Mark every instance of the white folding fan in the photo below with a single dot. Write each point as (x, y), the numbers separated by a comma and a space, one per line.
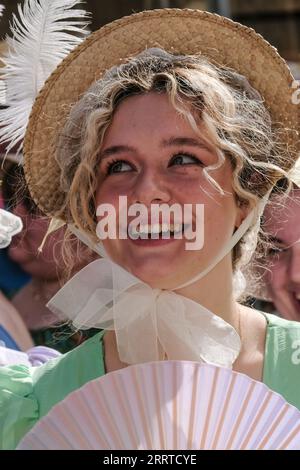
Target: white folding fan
(169, 405)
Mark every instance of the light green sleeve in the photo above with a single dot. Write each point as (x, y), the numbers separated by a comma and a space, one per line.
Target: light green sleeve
(28, 393)
(282, 358)
(19, 409)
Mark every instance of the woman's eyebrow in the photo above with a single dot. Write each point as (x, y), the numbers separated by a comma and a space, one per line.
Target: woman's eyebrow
(281, 242)
(115, 150)
(185, 141)
(273, 239)
(171, 141)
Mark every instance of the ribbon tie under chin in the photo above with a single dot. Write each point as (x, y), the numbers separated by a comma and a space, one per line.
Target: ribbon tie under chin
(148, 323)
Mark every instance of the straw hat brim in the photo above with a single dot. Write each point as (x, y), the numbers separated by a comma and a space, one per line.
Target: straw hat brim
(178, 31)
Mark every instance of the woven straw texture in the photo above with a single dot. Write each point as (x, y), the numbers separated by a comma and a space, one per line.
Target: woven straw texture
(179, 31)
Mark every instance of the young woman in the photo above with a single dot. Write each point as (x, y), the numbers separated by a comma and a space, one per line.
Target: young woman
(206, 118)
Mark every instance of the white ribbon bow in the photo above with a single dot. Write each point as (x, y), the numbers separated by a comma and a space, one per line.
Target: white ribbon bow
(10, 225)
(148, 322)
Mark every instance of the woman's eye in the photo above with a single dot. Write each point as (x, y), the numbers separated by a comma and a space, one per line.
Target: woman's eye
(276, 250)
(118, 166)
(184, 159)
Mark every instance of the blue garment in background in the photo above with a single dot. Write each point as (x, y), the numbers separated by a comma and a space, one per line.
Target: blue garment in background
(12, 277)
(7, 341)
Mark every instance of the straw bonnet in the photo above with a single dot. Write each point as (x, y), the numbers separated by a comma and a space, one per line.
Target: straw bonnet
(178, 31)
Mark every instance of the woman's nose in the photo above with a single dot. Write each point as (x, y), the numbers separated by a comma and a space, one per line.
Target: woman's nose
(151, 188)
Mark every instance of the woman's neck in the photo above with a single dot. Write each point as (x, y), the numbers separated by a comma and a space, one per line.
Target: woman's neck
(215, 292)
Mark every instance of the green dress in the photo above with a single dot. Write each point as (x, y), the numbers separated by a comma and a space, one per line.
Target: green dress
(27, 394)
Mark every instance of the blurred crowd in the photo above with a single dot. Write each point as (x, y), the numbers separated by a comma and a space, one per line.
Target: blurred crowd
(29, 277)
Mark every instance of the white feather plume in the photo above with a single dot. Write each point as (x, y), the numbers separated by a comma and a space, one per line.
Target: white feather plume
(2, 87)
(43, 33)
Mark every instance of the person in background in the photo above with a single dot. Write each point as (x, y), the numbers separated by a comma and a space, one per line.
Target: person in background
(46, 269)
(281, 224)
(14, 335)
(12, 277)
(13, 332)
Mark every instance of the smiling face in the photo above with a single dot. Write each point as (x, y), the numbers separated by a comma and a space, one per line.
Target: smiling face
(283, 277)
(151, 155)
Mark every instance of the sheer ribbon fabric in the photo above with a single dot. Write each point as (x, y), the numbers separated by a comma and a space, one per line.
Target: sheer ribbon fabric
(150, 324)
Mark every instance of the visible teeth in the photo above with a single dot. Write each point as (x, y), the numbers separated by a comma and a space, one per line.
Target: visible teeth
(133, 232)
(147, 228)
(155, 228)
(144, 229)
(166, 228)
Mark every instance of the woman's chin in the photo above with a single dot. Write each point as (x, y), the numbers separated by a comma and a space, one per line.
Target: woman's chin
(154, 275)
(160, 278)
(159, 270)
